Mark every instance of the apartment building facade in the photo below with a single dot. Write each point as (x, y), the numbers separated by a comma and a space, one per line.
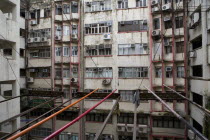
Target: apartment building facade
(199, 26)
(123, 45)
(12, 62)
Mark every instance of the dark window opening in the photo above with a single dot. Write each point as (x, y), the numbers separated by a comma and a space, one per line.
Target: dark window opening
(7, 52)
(22, 72)
(179, 22)
(167, 1)
(180, 47)
(74, 7)
(197, 71)
(22, 32)
(197, 126)
(137, 25)
(156, 23)
(46, 12)
(33, 14)
(197, 98)
(168, 24)
(197, 43)
(22, 52)
(22, 13)
(8, 93)
(67, 116)
(58, 10)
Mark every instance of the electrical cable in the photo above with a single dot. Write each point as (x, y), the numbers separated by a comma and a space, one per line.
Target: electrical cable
(78, 118)
(34, 120)
(48, 118)
(13, 98)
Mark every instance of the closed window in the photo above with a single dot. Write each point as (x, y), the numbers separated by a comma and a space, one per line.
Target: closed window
(58, 73)
(98, 28)
(74, 50)
(66, 9)
(97, 117)
(66, 30)
(156, 23)
(42, 72)
(133, 72)
(168, 122)
(127, 95)
(65, 51)
(98, 6)
(168, 49)
(67, 115)
(98, 72)
(180, 71)
(141, 3)
(136, 25)
(179, 22)
(102, 49)
(57, 51)
(180, 47)
(41, 53)
(66, 73)
(58, 10)
(74, 7)
(122, 4)
(41, 132)
(47, 12)
(158, 72)
(132, 49)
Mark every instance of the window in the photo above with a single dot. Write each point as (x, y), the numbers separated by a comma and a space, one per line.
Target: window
(47, 12)
(122, 4)
(178, 1)
(197, 43)
(7, 52)
(41, 53)
(167, 1)
(58, 10)
(57, 51)
(127, 118)
(99, 91)
(66, 9)
(22, 32)
(22, 72)
(133, 72)
(66, 73)
(66, 136)
(179, 22)
(98, 28)
(22, 52)
(74, 50)
(132, 49)
(180, 71)
(168, 122)
(168, 49)
(197, 71)
(33, 14)
(102, 49)
(67, 115)
(74, 72)
(136, 25)
(158, 72)
(74, 29)
(97, 117)
(197, 98)
(65, 51)
(98, 72)
(168, 72)
(66, 93)
(141, 3)
(197, 126)
(157, 50)
(98, 6)
(58, 31)
(42, 72)
(58, 73)
(156, 23)
(66, 30)
(126, 95)
(180, 47)
(74, 7)
(168, 24)
(41, 132)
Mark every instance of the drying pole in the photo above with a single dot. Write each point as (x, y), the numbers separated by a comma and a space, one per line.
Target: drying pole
(106, 120)
(48, 118)
(136, 102)
(77, 119)
(207, 112)
(201, 136)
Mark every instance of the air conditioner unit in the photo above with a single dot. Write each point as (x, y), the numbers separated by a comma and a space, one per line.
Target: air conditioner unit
(74, 69)
(191, 135)
(74, 80)
(142, 128)
(168, 68)
(74, 3)
(88, 4)
(57, 37)
(107, 36)
(192, 54)
(154, 2)
(129, 128)
(44, 39)
(155, 9)
(155, 32)
(30, 79)
(45, 70)
(30, 40)
(33, 22)
(166, 7)
(58, 28)
(167, 18)
(37, 39)
(32, 70)
(106, 81)
(121, 127)
(74, 36)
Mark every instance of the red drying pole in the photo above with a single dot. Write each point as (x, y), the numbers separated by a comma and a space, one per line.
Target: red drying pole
(78, 118)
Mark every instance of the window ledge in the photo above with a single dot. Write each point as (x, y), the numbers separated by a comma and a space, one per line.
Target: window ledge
(135, 78)
(42, 77)
(197, 48)
(134, 55)
(99, 78)
(131, 8)
(99, 11)
(97, 34)
(132, 32)
(100, 56)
